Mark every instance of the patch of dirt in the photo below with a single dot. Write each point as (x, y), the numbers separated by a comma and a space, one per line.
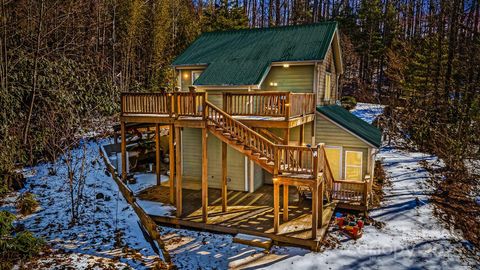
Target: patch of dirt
(455, 203)
(380, 181)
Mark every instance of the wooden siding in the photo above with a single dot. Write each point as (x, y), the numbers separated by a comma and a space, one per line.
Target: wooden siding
(186, 78)
(332, 135)
(192, 161)
(294, 78)
(327, 65)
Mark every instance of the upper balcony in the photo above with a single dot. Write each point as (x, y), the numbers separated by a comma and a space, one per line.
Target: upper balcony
(257, 109)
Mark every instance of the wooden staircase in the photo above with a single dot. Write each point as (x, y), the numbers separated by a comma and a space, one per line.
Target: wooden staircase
(240, 137)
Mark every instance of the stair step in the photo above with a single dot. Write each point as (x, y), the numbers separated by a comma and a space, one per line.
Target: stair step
(218, 128)
(263, 158)
(252, 240)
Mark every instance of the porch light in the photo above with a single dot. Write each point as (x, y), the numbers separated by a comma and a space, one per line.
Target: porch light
(286, 65)
(185, 75)
(273, 84)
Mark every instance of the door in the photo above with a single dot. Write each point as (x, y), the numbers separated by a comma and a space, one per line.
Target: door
(334, 157)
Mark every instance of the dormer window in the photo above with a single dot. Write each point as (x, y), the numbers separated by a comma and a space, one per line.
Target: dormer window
(328, 86)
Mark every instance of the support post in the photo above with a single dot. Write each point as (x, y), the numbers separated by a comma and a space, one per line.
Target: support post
(224, 177)
(321, 189)
(286, 139)
(157, 154)
(171, 154)
(302, 135)
(285, 202)
(314, 211)
(124, 151)
(204, 176)
(276, 205)
(178, 170)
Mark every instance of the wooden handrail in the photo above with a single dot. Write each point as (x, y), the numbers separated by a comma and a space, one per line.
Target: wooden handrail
(298, 159)
(301, 104)
(189, 104)
(243, 133)
(329, 179)
(146, 103)
(268, 103)
(178, 104)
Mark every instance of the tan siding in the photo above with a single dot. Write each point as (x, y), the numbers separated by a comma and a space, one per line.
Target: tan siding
(332, 135)
(294, 79)
(186, 78)
(192, 153)
(327, 65)
(192, 160)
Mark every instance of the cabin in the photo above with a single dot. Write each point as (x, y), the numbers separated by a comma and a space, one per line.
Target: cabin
(256, 141)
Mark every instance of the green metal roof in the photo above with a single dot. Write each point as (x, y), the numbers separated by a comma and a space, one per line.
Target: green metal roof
(352, 123)
(242, 57)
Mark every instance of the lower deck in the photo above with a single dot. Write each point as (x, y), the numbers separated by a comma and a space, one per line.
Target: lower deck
(247, 213)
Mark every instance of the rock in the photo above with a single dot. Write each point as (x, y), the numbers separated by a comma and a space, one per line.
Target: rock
(477, 200)
(107, 198)
(100, 196)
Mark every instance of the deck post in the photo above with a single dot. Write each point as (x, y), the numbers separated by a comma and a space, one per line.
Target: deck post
(286, 139)
(171, 155)
(302, 135)
(285, 202)
(178, 170)
(320, 203)
(204, 176)
(224, 177)
(157, 154)
(124, 151)
(314, 210)
(276, 205)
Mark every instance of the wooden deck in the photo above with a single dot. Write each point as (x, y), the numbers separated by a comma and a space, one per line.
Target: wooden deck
(248, 213)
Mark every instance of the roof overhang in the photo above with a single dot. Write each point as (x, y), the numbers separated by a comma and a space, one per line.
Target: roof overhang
(346, 130)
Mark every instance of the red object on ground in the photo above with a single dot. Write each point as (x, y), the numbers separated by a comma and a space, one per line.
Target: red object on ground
(360, 224)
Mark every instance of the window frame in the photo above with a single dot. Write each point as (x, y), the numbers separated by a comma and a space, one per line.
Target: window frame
(195, 73)
(329, 95)
(354, 166)
(340, 163)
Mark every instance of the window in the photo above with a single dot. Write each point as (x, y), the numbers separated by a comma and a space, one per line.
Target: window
(334, 157)
(195, 75)
(328, 83)
(353, 165)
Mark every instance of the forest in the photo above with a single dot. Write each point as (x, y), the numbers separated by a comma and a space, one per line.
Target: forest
(64, 64)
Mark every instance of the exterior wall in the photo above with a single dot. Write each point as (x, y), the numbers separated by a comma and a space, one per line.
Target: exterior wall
(192, 161)
(332, 135)
(294, 79)
(328, 65)
(185, 78)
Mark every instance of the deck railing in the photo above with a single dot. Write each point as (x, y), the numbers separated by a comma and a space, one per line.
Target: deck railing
(146, 103)
(245, 135)
(178, 104)
(272, 104)
(189, 104)
(297, 160)
(302, 104)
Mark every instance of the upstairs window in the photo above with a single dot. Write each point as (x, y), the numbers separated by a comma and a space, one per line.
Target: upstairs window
(328, 86)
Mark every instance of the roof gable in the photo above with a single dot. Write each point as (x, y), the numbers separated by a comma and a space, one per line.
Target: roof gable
(350, 122)
(241, 57)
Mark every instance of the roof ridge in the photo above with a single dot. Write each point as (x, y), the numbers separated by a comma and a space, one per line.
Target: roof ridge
(275, 28)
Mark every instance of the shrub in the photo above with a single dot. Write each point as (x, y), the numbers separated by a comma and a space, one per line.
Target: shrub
(3, 189)
(348, 102)
(26, 203)
(16, 246)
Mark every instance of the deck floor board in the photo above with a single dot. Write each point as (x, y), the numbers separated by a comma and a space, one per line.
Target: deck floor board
(247, 212)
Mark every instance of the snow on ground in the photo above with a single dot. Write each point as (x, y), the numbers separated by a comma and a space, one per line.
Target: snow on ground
(411, 237)
(145, 180)
(103, 211)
